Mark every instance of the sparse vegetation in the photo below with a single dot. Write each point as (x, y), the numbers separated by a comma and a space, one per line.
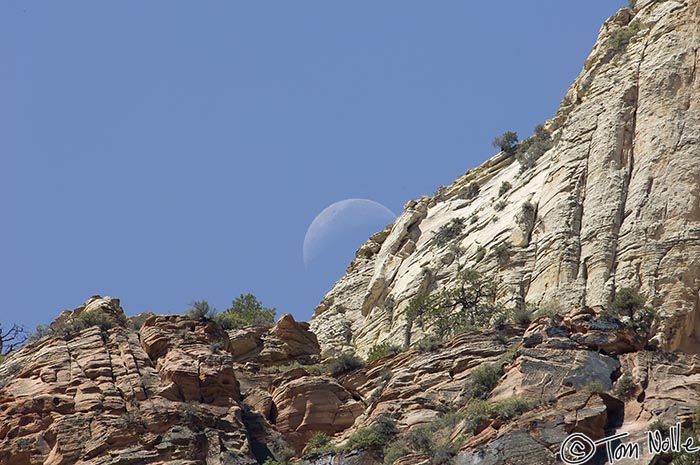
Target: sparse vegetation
(473, 218)
(315, 369)
(429, 439)
(479, 411)
(549, 308)
(483, 379)
(624, 387)
(620, 39)
(500, 205)
(505, 187)
(396, 450)
(631, 308)
(320, 443)
(377, 435)
(522, 314)
(502, 253)
(449, 232)
(472, 191)
(594, 387)
(200, 310)
(429, 344)
(469, 304)
(246, 310)
(531, 149)
(345, 363)
(382, 350)
(480, 253)
(506, 142)
(84, 320)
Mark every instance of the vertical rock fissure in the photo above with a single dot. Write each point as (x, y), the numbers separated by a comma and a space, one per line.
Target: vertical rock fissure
(581, 205)
(630, 167)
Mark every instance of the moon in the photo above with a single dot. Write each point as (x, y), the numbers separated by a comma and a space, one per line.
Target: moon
(344, 220)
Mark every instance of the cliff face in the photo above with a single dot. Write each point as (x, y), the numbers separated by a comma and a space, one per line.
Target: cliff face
(614, 203)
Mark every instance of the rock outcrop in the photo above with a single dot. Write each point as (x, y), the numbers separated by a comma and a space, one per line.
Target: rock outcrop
(613, 203)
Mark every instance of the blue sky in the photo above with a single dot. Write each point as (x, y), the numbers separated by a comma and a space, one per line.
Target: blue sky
(167, 151)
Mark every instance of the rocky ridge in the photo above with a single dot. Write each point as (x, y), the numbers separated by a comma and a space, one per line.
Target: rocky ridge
(177, 390)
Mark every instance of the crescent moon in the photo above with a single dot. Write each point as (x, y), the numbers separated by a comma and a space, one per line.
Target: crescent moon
(340, 216)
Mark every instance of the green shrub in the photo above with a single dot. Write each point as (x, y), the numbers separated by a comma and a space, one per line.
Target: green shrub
(500, 205)
(479, 411)
(483, 379)
(246, 310)
(502, 253)
(630, 305)
(395, 451)
(522, 315)
(421, 439)
(84, 320)
(624, 387)
(511, 408)
(474, 218)
(472, 191)
(505, 187)
(429, 344)
(506, 142)
(382, 350)
(39, 333)
(377, 435)
(443, 453)
(270, 461)
(594, 387)
(345, 363)
(531, 149)
(320, 443)
(480, 253)
(217, 346)
(620, 39)
(476, 413)
(200, 310)
(449, 232)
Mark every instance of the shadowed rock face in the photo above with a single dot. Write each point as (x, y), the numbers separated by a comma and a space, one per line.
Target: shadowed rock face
(614, 203)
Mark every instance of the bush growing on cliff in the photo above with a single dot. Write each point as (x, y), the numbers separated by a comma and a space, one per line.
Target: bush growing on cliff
(382, 350)
(377, 435)
(75, 325)
(624, 387)
(246, 310)
(479, 411)
(505, 187)
(320, 443)
(532, 148)
(483, 379)
(631, 307)
(472, 191)
(345, 363)
(200, 310)
(621, 38)
(449, 232)
(506, 142)
(467, 305)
